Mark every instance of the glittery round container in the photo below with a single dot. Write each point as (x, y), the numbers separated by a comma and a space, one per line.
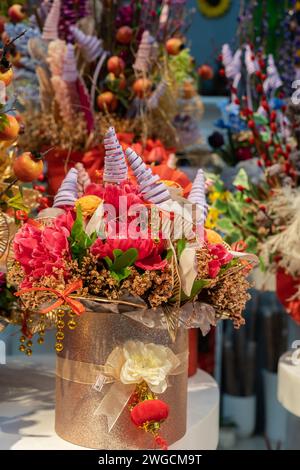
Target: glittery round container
(96, 335)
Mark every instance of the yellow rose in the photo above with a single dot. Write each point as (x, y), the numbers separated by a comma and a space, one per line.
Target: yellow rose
(88, 204)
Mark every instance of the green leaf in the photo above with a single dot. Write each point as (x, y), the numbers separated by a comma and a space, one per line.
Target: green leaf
(260, 119)
(169, 254)
(108, 261)
(181, 244)
(222, 206)
(251, 243)
(198, 285)
(219, 186)
(235, 212)
(262, 265)
(121, 275)
(16, 202)
(234, 236)
(225, 225)
(241, 179)
(124, 259)
(79, 240)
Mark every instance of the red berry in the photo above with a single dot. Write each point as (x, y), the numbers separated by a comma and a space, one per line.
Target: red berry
(258, 73)
(240, 188)
(273, 116)
(273, 126)
(21, 215)
(251, 140)
(39, 188)
(259, 88)
(262, 208)
(251, 124)
(222, 72)
(259, 163)
(41, 177)
(237, 101)
(248, 199)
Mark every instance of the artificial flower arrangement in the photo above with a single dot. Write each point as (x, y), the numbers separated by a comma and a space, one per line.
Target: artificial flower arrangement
(120, 62)
(254, 117)
(136, 248)
(264, 214)
(15, 201)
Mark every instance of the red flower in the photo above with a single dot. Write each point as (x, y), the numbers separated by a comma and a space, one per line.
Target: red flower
(41, 249)
(149, 251)
(221, 257)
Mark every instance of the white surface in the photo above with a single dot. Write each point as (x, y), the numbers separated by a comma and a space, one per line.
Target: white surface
(27, 408)
(289, 383)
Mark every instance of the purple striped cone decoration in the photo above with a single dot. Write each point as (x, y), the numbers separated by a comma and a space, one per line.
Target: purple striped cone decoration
(115, 167)
(151, 187)
(90, 46)
(67, 193)
(145, 53)
(50, 29)
(197, 194)
(69, 71)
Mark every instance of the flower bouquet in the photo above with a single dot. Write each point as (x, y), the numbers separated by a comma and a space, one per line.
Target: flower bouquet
(111, 62)
(122, 269)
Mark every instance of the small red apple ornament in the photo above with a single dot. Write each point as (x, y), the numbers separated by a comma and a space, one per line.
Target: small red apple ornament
(28, 167)
(107, 101)
(10, 130)
(16, 13)
(205, 72)
(142, 87)
(124, 35)
(115, 65)
(174, 46)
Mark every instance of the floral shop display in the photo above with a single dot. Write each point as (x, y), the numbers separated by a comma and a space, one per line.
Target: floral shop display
(102, 63)
(255, 112)
(122, 268)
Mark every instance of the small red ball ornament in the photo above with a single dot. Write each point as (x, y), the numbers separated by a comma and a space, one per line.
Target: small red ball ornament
(149, 411)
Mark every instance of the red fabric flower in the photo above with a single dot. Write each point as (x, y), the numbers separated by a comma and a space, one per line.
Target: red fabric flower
(41, 249)
(221, 257)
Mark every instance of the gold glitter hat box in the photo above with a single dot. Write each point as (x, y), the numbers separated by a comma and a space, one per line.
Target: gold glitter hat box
(94, 412)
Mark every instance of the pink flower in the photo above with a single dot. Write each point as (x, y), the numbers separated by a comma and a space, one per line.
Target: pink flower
(41, 249)
(149, 251)
(221, 258)
(111, 194)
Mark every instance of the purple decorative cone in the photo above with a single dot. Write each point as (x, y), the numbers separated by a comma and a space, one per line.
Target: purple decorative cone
(69, 70)
(197, 196)
(151, 187)
(68, 192)
(90, 46)
(115, 167)
(50, 30)
(145, 53)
